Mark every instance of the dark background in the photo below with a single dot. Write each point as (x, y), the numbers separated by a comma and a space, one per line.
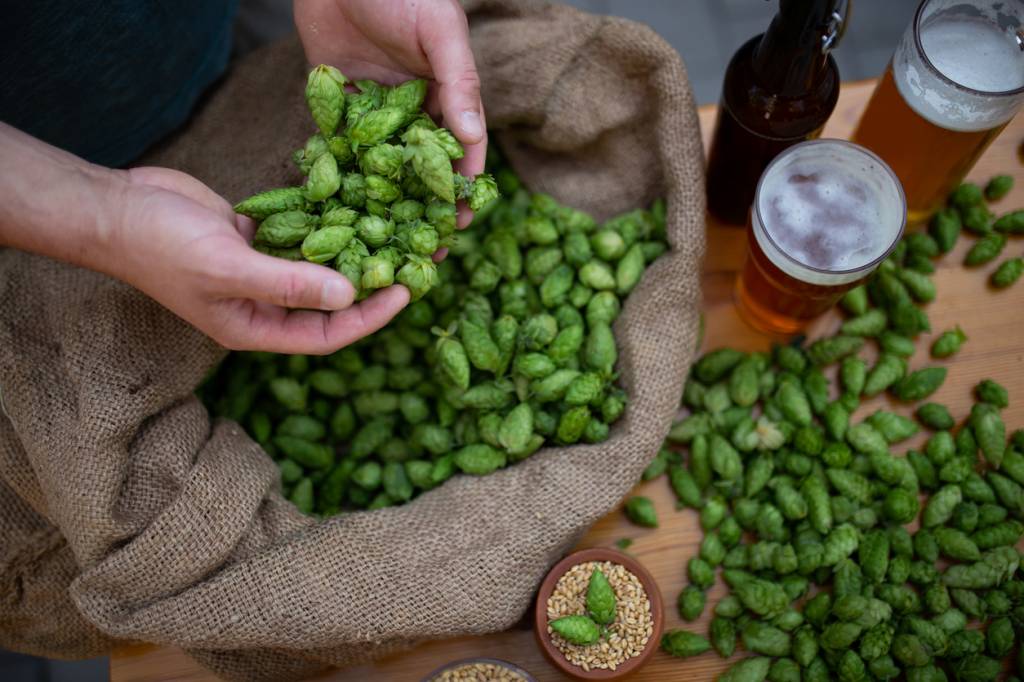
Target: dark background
(705, 32)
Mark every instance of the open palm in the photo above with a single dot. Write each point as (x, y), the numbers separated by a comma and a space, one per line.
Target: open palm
(180, 243)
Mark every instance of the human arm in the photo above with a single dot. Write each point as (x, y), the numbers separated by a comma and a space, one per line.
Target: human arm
(176, 240)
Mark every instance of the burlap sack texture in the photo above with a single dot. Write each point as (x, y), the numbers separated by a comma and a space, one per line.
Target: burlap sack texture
(125, 514)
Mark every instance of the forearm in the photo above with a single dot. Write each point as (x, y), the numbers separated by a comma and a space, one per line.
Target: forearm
(54, 203)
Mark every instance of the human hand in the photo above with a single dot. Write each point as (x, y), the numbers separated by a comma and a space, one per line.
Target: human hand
(179, 242)
(391, 41)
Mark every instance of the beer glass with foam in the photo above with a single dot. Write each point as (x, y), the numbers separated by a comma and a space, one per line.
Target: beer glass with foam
(954, 82)
(825, 215)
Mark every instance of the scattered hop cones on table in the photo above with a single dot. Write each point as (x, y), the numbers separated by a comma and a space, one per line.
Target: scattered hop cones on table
(967, 209)
(380, 191)
(805, 508)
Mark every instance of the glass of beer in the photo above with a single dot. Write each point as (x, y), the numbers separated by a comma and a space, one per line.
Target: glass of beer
(954, 82)
(825, 215)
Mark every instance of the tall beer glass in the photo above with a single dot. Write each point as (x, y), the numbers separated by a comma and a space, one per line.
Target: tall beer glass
(954, 82)
(825, 215)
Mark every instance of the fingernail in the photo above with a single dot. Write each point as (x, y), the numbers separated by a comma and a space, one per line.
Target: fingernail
(334, 295)
(471, 125)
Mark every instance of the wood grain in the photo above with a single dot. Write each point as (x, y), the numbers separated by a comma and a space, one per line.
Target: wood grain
(994, 321)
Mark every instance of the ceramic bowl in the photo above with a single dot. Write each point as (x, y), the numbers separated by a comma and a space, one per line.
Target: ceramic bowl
(481, 659)
(540, 624)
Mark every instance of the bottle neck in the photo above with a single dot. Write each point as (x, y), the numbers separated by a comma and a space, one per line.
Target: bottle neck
(792, 57)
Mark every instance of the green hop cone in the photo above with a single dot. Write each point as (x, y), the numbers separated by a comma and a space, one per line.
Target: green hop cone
(375, 127)
(1011, 223)
(1007, 273)
(326, 243)
(265, 204)
(629, 270)
(302, 496)
(289, 253)
(985, 249)
(324, 178)
(353, 190)
(479, 459)
(379, 188)
(993, 393)
(599, 351)
(691, 602)
(483, 352)
(920, 384)
(945, 229)
(573, 424)
(284, 229)
(452, 358)
(407, 210)
(935, 416)
(600, 598)
(452, 147)
(998, 187)
(369, 96)
(516, 429)
(579, 630)
(640, 510)
(382, 159)
(948, 343)
(749, 670)
(325, 97)
(966, 195)
(990, 432)
(442, 216)
(407, 96)
(378, 272)
(922, 243)
(430, 162)
(977, 219)
(896, 344)
(828, 350)
(418, 275)
(608, 245)
(423, 240)
(598, 276)
(349, 261)
(871, 323)
(855, 301)
(683, 644)
(315, 147)
(373, 231)
(338, 216)
(482, 191)
(341, 148)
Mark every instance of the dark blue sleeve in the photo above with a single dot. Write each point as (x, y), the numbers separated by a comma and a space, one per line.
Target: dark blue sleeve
(105, 80)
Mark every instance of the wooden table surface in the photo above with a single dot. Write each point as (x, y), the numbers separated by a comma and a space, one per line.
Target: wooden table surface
(993, 321)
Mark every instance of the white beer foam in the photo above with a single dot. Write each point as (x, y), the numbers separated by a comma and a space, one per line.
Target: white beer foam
(827, 209)
(972, 47)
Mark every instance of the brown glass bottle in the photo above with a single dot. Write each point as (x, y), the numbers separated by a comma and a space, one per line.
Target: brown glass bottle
(780, 88)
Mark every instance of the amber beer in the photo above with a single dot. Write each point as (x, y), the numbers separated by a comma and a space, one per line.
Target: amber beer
(825, 214)
(954, 82)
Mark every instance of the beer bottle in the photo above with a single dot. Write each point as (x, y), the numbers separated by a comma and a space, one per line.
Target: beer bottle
(780, 87)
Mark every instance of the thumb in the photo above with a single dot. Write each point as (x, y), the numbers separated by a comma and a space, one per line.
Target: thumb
(249, 274)
(444, 36)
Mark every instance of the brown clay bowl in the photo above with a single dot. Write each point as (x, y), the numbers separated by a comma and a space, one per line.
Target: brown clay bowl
(540, 615)
(481, 659)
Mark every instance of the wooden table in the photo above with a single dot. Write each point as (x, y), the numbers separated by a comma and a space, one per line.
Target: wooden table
(993, 321)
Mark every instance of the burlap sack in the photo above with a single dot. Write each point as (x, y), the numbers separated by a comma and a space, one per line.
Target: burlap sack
(125, 514)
